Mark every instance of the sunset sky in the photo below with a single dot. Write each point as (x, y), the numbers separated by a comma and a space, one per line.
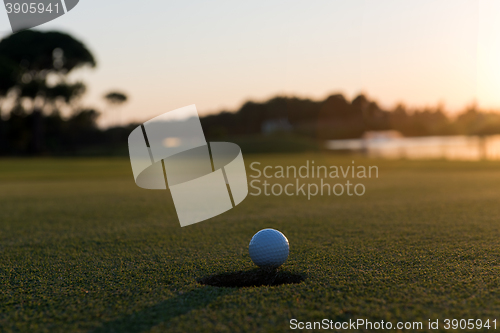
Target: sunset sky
(218, 54)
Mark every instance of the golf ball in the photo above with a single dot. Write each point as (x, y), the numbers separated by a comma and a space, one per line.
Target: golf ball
(268, 248)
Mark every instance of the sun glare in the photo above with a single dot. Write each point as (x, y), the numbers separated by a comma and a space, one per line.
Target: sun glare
(488, 55)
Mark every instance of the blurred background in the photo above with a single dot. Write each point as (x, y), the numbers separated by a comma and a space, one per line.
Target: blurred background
(386, 79)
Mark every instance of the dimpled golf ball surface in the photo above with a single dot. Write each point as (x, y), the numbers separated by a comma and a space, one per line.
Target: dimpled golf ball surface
(268, 248)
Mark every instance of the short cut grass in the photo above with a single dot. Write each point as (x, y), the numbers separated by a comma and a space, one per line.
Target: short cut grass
(83, 249)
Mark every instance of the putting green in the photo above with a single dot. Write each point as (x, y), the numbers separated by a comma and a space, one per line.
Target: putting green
(84, 249)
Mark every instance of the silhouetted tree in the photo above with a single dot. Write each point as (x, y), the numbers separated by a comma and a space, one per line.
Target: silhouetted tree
(30, 60)
(115, 99)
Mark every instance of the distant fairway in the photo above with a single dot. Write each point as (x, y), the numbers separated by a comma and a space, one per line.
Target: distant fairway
(83, 249)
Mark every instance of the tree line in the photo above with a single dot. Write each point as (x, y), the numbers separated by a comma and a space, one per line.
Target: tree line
(332, 118)
(35, 92)
(338, 118)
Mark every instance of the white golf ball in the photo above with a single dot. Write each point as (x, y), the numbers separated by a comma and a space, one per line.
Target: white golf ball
(269, 248)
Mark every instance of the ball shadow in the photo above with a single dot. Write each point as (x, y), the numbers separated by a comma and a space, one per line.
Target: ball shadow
(252, 278)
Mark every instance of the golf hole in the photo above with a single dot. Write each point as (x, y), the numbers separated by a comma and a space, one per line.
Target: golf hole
(252, 278)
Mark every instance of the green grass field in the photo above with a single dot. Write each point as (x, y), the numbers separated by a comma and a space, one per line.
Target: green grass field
(83, 249)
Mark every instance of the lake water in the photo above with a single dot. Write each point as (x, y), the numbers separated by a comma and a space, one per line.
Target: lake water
(471, 148)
